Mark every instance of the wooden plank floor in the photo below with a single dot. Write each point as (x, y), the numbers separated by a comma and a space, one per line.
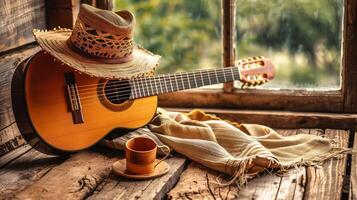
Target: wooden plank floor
(28, 174)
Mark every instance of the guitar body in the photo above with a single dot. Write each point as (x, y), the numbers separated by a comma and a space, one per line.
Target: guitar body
(41, 103)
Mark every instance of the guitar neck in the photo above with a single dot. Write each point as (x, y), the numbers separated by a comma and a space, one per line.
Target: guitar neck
(152, 86)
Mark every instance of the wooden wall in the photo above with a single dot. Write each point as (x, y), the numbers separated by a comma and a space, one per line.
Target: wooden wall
(18, 18)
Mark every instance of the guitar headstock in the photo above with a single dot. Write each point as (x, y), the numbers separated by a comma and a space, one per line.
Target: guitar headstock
(255, 70)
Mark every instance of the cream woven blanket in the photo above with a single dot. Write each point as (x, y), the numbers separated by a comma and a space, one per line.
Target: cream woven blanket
(239, 150)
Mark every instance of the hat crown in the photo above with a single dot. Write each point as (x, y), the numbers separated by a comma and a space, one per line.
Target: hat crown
(104, 34)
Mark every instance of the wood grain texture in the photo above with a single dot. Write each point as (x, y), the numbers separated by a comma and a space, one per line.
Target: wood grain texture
(250, 99)
(326, 182)
(18, 18)
(115, 187)
(14, 155)
(292, 184)
(282, 119)
(25, 171)
(353, 180)
(198, 182)
(105, 4)
(349, 70)
(228, 37)
(75, 178)
(10, 139)
(9, 133)
(62, 13)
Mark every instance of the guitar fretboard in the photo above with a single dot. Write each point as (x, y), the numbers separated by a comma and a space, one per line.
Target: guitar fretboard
(152, 86)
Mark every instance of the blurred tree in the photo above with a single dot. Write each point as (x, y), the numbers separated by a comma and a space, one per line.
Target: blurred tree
(186, 33)
(312, 28)
(182, 31)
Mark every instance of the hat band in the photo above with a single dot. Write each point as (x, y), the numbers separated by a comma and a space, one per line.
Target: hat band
(98, 58)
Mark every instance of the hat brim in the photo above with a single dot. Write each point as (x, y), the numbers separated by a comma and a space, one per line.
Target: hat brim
(55, 43)
(119, 167)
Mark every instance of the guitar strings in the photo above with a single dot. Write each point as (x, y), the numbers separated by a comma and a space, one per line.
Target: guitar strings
(128, 89)
(159, 77)
(196, 71)
(149, 90)
(201, 71)
(151, 81)
(122, 95)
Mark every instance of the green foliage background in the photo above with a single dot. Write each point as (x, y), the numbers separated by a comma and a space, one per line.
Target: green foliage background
(302, 37)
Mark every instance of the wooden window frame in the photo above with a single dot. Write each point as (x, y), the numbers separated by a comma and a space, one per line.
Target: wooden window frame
(343, 100)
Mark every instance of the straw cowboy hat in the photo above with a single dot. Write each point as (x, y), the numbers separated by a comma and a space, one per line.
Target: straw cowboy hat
(101, 44)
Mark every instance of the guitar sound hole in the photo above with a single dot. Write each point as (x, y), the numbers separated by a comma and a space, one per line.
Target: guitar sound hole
(117, 91)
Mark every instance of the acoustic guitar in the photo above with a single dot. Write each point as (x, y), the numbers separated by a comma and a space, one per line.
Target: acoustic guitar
(59, 110)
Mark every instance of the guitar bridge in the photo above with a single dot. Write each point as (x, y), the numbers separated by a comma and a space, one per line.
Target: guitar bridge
(73, 98)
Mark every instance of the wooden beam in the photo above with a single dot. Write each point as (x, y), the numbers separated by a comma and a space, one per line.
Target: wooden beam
(281, 119)
(105, 4)
(349, 73)
(353, 180)
(62, 13)
(251, 99)
(18, 18)
(228, 37)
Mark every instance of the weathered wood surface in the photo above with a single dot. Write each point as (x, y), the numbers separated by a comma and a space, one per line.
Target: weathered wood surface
(18, 18)
(349, 69)
(14, 154)
(102, 4)
(9, 133)
(353, 180)
(326, 182)
(105, 4)
(228, 37)
(288, 100)
(75, 178)
(62, 13)
(115, 187)
(85, 174)
(198, 182)
(28, 168)
(34, 175)
(297, 183)
(281, 119)
(10, 139)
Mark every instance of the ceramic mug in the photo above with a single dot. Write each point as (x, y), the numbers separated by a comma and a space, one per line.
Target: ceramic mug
(140, 154)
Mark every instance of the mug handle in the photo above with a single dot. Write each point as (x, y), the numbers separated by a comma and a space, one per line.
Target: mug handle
(167, 154)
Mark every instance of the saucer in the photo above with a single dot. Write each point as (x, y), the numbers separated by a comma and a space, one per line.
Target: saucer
(119, 167)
